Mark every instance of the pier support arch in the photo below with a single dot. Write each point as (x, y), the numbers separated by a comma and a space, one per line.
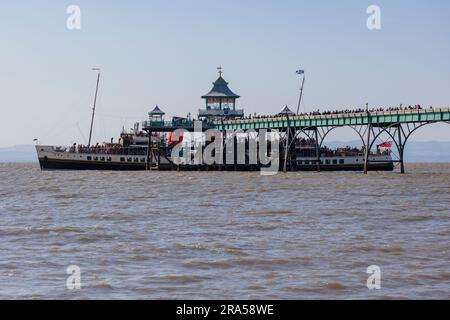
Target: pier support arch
(400, 133)
(316, 134)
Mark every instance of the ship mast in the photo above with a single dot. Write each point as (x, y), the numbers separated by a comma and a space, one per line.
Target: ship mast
(301, 72)
(95, 103)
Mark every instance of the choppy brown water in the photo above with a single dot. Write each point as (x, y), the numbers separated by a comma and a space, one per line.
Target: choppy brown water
(224, 235)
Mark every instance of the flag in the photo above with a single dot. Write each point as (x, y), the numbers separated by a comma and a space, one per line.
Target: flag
(385, 145)
(300, 72)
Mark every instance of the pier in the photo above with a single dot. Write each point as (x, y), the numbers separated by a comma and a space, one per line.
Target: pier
(397, 124)
(369, 126)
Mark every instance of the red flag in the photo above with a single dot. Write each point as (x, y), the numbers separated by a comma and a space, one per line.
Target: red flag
(385, 145)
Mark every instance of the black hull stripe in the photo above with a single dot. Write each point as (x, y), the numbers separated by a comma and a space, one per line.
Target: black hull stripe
(112, 166)
(89, 165)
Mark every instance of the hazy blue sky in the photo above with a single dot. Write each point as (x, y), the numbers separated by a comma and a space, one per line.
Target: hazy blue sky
(167, 52)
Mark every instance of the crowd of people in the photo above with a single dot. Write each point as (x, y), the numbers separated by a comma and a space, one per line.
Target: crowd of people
(348, 151)
(106, 149)
(121, 149)
(341, 152)
(345, 111)
(305, 143)
(360, 110)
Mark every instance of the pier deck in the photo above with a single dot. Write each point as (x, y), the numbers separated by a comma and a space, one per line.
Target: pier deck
(335, 120)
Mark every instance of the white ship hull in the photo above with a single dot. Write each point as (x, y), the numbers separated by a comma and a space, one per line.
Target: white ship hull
(59, 158)
(351, 163)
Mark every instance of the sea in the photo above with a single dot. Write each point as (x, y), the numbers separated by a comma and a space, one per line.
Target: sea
(224, 235)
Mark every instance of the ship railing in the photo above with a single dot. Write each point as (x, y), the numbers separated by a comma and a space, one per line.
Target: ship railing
(352, 154)
(340, 154)
(108, 151)
(175, 124)
(156, 124)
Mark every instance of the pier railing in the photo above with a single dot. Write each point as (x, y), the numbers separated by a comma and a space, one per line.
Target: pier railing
(343, 119)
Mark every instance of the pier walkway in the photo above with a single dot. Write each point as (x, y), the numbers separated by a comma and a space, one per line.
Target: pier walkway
(397, 125)
(345, 119)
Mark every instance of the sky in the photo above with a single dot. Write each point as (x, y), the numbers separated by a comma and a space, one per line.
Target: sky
(167, 53)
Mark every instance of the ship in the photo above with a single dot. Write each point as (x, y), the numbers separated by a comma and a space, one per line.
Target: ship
(135, 149)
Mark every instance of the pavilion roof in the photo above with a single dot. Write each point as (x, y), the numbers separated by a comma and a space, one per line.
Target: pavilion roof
(157, 111)
(286, 111)
(220, 90)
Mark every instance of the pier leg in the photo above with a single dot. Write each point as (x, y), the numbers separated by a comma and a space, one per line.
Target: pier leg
(152, 155)
(402, 164)
(147, 165)
(159, 156)
(151, 160)
(367, 151)
(316, 137)
(286, 148)
(401, 147)
(235, 151)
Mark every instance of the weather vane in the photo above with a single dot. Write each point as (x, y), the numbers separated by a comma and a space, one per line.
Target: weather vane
(220, 70)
